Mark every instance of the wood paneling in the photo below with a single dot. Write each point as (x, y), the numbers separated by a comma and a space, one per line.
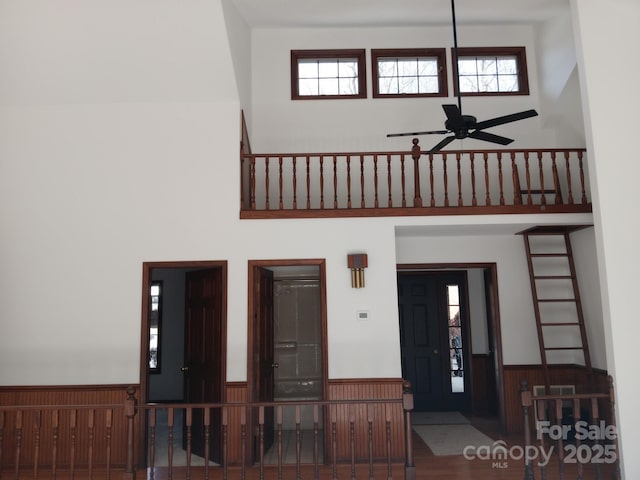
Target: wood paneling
(366, 389)
(39, 434)
(533, 374)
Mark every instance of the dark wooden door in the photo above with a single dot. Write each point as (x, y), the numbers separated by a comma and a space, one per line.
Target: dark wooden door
(420, 339)
(203, 342)
(264, 362)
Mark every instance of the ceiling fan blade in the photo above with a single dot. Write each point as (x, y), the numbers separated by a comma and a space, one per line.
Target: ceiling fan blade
(514, 117)
(490, 137)
(442, 144)
(452, 112)
(408, 134)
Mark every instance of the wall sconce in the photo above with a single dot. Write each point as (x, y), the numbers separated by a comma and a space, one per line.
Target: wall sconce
(357, 263)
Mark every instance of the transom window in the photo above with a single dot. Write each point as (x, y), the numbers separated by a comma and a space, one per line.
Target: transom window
(328, 74)
(492, 71)
(409, 72)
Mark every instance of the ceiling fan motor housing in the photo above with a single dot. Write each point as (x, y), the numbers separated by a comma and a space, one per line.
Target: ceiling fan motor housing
(461, 125)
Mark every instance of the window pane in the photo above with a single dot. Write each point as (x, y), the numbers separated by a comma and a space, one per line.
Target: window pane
(307, 69)
(388, 85)
(467, 67)
(387, 68)
(428, 67)
(328, 86)
(308, 86)
(347, 68)
(408, 85)
(407, 66)
(468, 84)
(487, 84)
(348, 86)
(508, 83)
(428, 85)
(327, 69)
(507, 66)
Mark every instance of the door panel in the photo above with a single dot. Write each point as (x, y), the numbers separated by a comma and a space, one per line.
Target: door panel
(420, 340)
(203, 342)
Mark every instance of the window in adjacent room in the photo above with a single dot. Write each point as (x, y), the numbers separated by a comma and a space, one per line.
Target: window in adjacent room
(324, 74)
(409, 72)
(492, 71)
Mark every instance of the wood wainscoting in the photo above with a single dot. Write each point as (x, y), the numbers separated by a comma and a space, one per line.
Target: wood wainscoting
(106, 424)
(559, 375)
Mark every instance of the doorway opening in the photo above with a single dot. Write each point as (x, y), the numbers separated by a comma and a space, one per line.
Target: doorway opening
(183, 352)
(450, 331)
(287, 347)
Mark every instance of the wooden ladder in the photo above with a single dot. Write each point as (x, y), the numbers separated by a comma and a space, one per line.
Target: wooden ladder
(556, 299)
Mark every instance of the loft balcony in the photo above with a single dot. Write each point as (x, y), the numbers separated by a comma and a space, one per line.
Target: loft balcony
(413, 183)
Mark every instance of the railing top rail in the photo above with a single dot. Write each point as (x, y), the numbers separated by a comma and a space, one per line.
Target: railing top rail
(292, 403)
(96, 406)
(409, 153)
(578, 396)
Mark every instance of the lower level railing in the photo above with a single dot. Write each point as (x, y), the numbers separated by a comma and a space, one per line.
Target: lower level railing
(575, 435)
(214, 440)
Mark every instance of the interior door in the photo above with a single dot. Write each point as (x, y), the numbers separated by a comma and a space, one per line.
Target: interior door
(420, 339)
(264, 363)
(203, 341)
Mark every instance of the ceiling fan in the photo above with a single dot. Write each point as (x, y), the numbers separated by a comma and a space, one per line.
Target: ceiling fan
(467, 126)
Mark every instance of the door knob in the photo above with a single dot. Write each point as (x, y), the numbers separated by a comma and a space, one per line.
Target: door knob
(435, 351)
(184, 369)
(275, 365)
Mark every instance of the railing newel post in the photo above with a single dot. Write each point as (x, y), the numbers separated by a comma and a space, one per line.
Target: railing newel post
(407, 405)
(416, 154)
(525, 400)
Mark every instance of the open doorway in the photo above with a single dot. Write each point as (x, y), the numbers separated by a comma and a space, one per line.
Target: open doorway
(183, 350)
(287, 344)
(455, 307)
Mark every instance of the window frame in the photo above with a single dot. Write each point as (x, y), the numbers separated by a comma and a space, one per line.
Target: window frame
(521, 59)
(358, 54)
(439, 53)
(160, 285)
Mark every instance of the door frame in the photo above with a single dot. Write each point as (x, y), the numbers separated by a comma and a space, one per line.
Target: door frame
(252, 342)
(143, 395)
(494, 322)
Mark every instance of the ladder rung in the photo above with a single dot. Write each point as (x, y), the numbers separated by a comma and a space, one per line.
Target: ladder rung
(560, 300)
(564, 348)
(551, 255)
(553, 277)
(558, 324)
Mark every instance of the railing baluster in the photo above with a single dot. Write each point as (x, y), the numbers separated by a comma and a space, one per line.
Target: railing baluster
(387, 420)
(540, 406)
(370, 436)
(335, 182)
(152, 442)
(433, 198)
(294, 166)
(90, 429)
(474, 200)
(348, 182)
(108, 427)
(528, 178)
(595, 419)
(500, 178)
(18, 430)
(266, 183)
(322, 182)
(73, 419)
(280, 182)
(55, 432)
(557, 199)
(308, 159)
(352, 440)
(188, 431)
(316, 447)
(279, 437)
(37, 419)
(543, 198)
(375, 181)
(243, 442)
(362, 195)
(334, 444)
(487, 184)
(225, 439)
(558, 412)
(517, 196)
(446, 179)
(252, 183)
(170, 442)
(207, 441)
(402, 182)
(261, 439)
(298, 441)
(389, 182)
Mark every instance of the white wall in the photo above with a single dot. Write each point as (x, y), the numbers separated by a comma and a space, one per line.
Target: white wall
(282, 125)
(607, 34)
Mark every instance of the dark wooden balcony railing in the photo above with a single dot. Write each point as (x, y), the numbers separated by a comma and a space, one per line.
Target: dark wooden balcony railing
(577, 432)
(367, 437)
(414, 183)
